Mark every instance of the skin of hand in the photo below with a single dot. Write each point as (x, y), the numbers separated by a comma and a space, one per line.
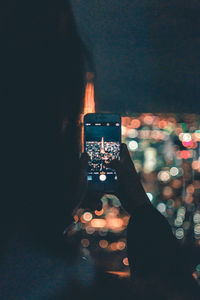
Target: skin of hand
(85, 198)
(130, 190)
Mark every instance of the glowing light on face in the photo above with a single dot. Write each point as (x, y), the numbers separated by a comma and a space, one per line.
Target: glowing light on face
(133, 145)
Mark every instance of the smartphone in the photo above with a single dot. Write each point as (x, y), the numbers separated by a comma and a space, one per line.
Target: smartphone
(102, 140)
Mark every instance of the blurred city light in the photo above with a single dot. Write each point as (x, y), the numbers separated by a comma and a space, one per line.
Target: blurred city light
(165, 149)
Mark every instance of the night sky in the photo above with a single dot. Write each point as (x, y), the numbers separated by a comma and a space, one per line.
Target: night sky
(146, 53)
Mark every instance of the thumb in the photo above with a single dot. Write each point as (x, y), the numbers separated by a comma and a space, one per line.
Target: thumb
(114, 164)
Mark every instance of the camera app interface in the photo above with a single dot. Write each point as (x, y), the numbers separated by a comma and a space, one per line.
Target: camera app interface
(102, 143)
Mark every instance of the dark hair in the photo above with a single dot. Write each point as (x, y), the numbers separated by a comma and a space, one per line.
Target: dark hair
(43, 80)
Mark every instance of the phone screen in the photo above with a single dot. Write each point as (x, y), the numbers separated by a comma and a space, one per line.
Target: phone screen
(102, 143)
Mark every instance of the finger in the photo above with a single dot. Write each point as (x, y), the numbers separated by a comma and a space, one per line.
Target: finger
(114, 164)
(124, 154)
(84, 160)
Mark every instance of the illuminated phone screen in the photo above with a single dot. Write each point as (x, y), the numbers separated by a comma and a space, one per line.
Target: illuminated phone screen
(102, 143)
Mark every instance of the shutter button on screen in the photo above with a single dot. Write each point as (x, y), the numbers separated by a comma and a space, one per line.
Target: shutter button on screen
(102, 177)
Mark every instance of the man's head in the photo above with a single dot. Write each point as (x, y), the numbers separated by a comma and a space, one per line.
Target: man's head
(42, 68)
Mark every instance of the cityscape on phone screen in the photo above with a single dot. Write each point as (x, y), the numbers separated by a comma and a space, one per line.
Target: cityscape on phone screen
(102, 143)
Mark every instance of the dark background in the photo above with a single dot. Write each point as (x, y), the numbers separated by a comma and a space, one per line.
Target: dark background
(146, 53)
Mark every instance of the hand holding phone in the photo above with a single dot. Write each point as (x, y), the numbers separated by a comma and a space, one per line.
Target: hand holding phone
(102, 140)
(130, 190)
(83, 197)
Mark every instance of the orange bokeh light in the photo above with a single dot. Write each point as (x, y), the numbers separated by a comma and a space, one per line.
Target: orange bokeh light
(99, 212)
(113, 246)
(162, 124)
(98, 223)
(135, 123)
(114, 223)
(85, 242)
(103, 244)
(125, 261)
(190, 189)
(148, 119)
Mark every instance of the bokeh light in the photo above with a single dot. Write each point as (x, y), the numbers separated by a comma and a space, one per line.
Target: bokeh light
(133, 145)
(103, 244)
(87, 216)
(125, 261)
(179, 233)
(150, 196)
(165, 149)
(85, 242)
